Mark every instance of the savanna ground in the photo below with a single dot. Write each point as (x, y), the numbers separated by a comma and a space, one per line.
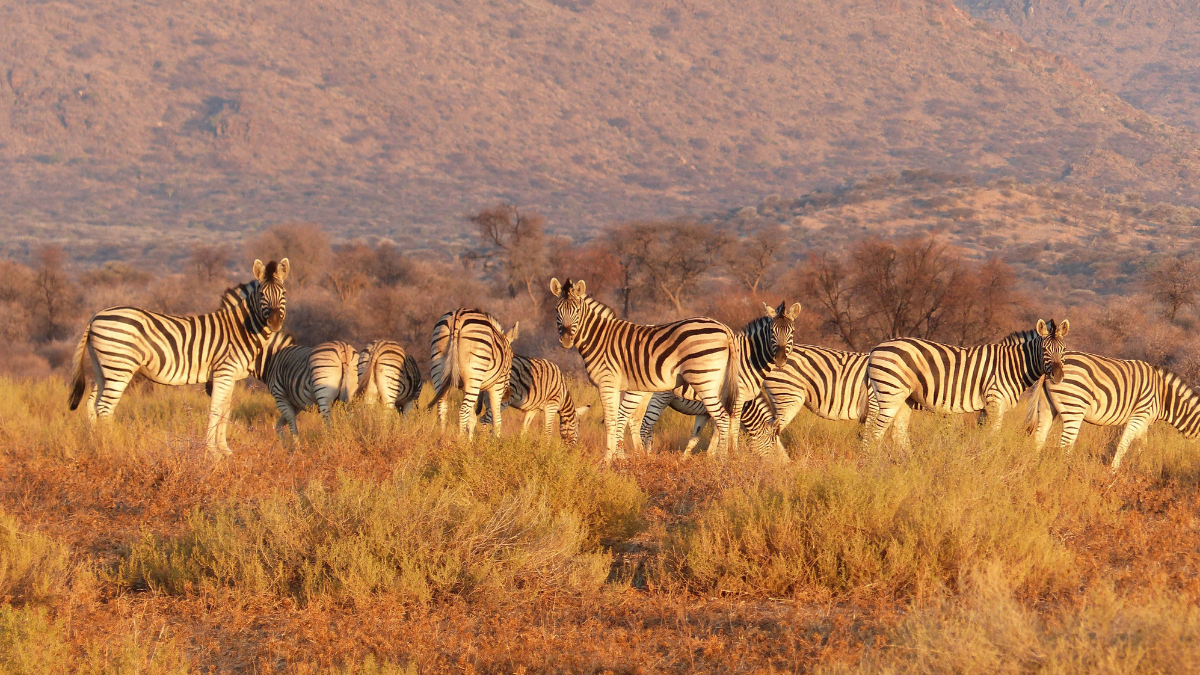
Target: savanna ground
(380, 545)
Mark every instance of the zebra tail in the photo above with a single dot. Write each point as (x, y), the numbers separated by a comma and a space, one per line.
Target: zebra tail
(349, 370)
(365, 382)
(79, 376)
(449, 369)
(1037, 399)
(733, 373)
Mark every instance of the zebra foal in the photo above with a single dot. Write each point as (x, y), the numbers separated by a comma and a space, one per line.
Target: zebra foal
(388, 375)
(538, 384)
(623, 356)
(472, 352)
(220, 348)
(946, 379)
(1112, 392)
(300, 378)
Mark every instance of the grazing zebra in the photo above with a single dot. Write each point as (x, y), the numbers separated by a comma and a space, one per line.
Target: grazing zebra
(830, 382)
(472, 352)
(538, 384)
(388, 375)
(947, 379)
(302, 377)
(622, 356)
(1109, 392)
(756, 420)
(219, 348)
(764, 344)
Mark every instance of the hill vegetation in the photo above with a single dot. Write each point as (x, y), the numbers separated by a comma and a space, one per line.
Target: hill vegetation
(394, 119)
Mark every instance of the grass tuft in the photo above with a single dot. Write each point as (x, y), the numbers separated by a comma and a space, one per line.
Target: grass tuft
(34, 568)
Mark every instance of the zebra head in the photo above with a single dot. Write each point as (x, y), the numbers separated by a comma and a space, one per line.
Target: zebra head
(272, 297)
(569, 311)
(1054, 343)
(782, 325)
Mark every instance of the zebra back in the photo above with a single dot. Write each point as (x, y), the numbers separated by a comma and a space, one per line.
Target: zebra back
(831, 383)
(469, 344)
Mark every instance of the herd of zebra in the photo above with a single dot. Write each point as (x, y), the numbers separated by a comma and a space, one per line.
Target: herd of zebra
(756, 378)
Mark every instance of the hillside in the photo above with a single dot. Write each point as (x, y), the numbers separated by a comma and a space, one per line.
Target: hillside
(1147, 51)
(132, 128)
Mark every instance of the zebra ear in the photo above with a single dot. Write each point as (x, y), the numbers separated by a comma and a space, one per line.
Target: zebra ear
(512, 333)
(555, 287)
(579, 289)
(793, 311)
(1063, 328)
(281, 272)
(260, 271)
(769, 310)
(1042, 329)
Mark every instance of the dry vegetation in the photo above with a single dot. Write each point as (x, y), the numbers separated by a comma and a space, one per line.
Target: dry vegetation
(394, 119)
(378, 546)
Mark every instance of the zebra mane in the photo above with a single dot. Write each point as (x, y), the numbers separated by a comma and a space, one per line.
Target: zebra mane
(1021, 337)
(599, 307)
(239, 295)
(756, 325)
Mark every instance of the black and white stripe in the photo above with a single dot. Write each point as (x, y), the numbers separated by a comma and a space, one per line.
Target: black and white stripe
(763, 344)
(218, 348)
(388, 375)
(756, 421)
(622, 356)
(1111, 392)
(946, 379)
(472, 352)
(300, 378)
(538, 384)
(830, 382)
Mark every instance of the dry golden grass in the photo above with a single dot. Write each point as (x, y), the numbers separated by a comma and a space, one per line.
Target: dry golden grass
(378, 545)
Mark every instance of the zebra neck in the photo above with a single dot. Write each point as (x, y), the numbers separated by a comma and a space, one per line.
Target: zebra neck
(1180, 404)
(755, 344)
(596, 316)
(236, 304)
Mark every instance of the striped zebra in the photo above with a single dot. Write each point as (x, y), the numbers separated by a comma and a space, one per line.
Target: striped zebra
(946, 379)
(388, 375)
(622, 356)
(756, 421)
(300, 378)
(829, 382)
(538, 384)
(219, 348)
(1110, 392)
(472, 352)
(763, 344)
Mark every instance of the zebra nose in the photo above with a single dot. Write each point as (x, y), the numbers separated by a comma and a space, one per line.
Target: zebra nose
(1056, 373)
(275, 319)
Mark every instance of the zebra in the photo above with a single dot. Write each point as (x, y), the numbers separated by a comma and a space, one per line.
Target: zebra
(622, 356)
(945, 379)
(388, 375)
(829, 382)
(1110, 392)
(538, 384)
(470, 351)
(302, 377)
(219, 348)
(764, 344)
(756, 420)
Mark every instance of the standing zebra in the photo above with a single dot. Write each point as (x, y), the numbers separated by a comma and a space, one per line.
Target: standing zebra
(947, 379)
(219, 348)
(756, 418)
(388, 375)
(622, 356)
(830, 382)
(302, 377)
(538, 384)
(763, 345)
(1109, 392)
(472, 352)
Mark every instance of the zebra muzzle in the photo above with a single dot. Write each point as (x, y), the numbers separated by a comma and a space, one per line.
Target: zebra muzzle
(1056, 373)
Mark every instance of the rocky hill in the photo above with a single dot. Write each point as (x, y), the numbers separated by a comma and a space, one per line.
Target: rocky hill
(129, 129)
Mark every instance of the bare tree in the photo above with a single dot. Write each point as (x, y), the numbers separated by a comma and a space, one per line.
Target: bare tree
(349, 272)
(751, 259)
(625, 243)
(904, 287)
(1175, 284)
(676, 254)
(209, 264)
(52, 301)
(516, 241)
(304, 244)
(827, 283)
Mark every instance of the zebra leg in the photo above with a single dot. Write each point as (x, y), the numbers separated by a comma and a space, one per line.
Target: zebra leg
(218, 414)
(721, 420)
(1070, 432)
(654, 410)
(550, 414)
(466, 412)
(887, 410)
(90, 404)
(1044, 421)
(443, 407)
(109, 394)
(325, 399)
(494, 395)
(528, 420)
(610, 400)
(697, 426)
(1138, 424)
(627, 415)
(900, 428)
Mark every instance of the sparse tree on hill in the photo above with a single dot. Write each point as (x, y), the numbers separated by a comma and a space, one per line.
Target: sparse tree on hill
(674, 255)
(1175, 285)
(52, 301)
(209, 264)
(752, 258)
(516, 242)
(304, 244)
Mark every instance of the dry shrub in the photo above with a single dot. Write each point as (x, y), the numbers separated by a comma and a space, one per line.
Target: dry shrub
(988, 631)
(879, 525)
(34, 568)
(475, 522)
(31, 642)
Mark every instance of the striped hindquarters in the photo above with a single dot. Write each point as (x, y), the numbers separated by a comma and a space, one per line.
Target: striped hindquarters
(538, 384)
(389, 375)
(469, 350)
(334, 368)
(830, 382)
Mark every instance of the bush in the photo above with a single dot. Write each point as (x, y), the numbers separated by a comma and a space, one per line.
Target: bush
(33, 567)
(472, 521)
(31, 642)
